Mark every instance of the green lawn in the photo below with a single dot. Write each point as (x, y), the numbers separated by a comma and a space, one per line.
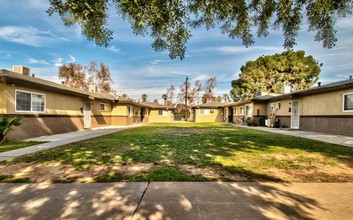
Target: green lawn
(13, 145)
(195, 152)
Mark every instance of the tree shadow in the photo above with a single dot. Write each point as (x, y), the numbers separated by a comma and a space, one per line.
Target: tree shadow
(70, 201)
(214, 200)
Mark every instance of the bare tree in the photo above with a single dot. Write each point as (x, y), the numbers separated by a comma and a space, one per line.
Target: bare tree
(73, 75)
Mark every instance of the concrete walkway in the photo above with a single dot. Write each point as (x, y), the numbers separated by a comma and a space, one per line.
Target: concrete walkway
(329, 138)
(177, 200)
(62, 139)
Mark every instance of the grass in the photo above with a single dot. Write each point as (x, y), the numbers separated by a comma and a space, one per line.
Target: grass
(199, 152)
(13, 145)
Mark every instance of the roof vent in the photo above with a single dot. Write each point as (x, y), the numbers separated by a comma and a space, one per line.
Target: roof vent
(318, 84)
(21, 70)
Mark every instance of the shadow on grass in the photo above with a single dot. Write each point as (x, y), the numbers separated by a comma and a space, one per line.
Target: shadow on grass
(202, 146)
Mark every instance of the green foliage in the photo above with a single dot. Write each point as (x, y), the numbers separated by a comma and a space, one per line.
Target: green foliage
(270, 73)
(169, 23)
(7, 124)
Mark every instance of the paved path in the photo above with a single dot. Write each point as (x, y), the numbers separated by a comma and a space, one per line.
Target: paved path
(177, 200)
(62, 139)
(329, 138)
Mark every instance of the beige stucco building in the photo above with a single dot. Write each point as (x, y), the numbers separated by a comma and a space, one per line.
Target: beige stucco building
(325, 108)
(50, 108)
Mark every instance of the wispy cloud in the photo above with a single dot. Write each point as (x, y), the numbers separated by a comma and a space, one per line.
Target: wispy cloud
(72, 59)
(28, 35)
(155, 62)
(113, 49)
(345, 24)
(58, 62)
(35, 61)
(237, 49)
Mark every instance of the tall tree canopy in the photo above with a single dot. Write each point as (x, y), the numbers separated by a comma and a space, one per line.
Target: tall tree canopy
(169, 22)
(270, 73)
(73, 75)
(81, 77)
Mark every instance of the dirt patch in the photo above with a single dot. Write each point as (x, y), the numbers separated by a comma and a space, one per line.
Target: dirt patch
(39, 173)
(212, 173)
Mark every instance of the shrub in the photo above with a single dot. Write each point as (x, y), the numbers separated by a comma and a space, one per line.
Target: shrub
(6, 125)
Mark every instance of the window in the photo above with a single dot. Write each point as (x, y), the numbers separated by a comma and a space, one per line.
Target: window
(248, 110)
(235, 111)
(104, 107)
(205, 111)
(348, 102)
(29, 102)
(162, 112)
(241, 110)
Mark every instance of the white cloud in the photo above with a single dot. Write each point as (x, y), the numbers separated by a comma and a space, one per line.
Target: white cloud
(28, 36)
(72, 59)
(113, 49)
(155, 62)
(58, 62)
(35, 61)
(345, 24)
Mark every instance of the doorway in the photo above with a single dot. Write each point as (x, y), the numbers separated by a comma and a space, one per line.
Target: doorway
(87, 120)
(295, 114)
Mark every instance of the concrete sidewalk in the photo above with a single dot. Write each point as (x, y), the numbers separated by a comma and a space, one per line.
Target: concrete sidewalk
(177, 200)
(62, 139)
(329, 138)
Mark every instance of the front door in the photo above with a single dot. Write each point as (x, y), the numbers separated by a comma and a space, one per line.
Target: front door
(87, 121)
(142, 113)
(230, 115)
(295, 114)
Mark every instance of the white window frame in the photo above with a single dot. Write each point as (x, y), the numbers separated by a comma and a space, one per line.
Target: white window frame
(344, 103)
(164, 112)
(241, 111)
(250, 111)
(105, 108)
(206, 111)
(32, 93)
(235, 111)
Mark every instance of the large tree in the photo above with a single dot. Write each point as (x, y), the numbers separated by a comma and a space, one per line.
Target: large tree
(210, 85)
(100, 76)
(270, 73)
(73, 75)
(169, 22)
(80, 76)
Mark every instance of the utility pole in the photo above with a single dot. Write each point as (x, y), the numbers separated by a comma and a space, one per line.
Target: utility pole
(186, 98)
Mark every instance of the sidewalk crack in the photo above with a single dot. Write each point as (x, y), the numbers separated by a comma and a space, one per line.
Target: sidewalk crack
(138, 205)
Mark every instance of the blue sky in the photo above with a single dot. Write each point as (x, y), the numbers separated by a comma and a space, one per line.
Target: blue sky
(29, 37)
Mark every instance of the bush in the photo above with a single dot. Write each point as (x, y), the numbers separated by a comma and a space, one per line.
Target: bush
(6, 125)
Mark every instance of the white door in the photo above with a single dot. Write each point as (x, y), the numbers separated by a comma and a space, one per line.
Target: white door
(295, 114)
(87, 115)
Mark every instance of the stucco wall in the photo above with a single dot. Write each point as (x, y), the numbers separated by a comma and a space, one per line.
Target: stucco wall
(341, 125)
(39, 125)
(154, 117)
(2, 97)
(262, 107)
(56, 103)
(216, 116)
(330, 103)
